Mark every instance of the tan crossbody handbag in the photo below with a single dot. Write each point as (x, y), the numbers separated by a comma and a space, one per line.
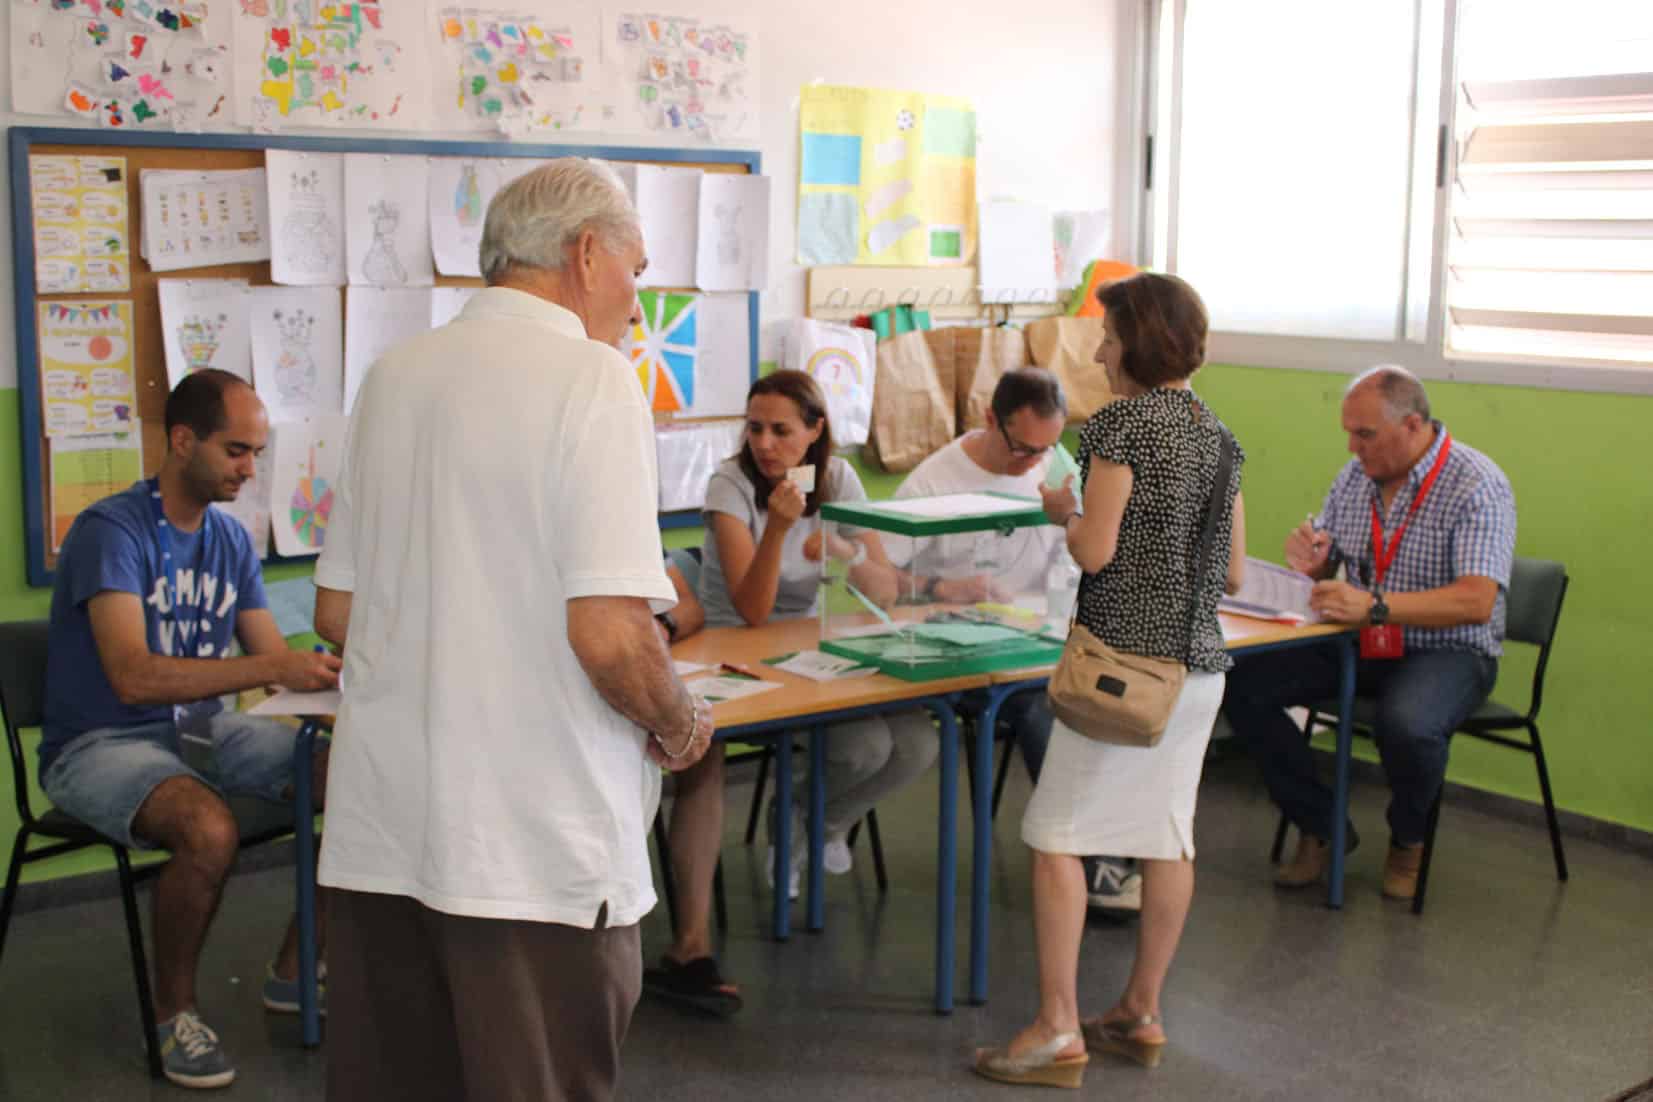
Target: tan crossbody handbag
(1112, 696)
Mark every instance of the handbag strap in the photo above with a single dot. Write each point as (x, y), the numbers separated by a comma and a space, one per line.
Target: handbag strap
(1213, 516)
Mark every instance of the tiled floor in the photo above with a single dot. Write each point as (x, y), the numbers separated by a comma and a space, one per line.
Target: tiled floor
(1511, 986)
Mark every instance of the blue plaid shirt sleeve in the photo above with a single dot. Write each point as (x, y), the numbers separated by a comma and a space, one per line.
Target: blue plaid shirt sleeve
(1483, 538)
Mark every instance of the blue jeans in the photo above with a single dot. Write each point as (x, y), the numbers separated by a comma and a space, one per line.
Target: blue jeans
(1420, 699)
(1028, 714)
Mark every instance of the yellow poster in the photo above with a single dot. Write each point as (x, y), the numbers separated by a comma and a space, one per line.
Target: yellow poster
(88, 468)
(86, 367)
(886, 178)
(80, 224)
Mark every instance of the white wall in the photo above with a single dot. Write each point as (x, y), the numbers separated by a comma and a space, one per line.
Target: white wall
(1050, 83)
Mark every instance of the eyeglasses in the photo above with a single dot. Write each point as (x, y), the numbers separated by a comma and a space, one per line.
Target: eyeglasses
(1019, 450)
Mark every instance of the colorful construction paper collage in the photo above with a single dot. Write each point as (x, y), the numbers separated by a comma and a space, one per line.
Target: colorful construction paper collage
(518, 71)
(886, 178)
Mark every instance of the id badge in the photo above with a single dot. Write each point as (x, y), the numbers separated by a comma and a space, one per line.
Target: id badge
(1384, 641)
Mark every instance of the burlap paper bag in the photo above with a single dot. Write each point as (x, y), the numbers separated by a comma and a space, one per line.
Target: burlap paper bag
(912, 412)
(1067, 348)
(979, 357)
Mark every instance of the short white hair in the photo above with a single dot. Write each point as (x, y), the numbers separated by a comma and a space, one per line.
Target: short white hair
(1402, 391)
(536, 217)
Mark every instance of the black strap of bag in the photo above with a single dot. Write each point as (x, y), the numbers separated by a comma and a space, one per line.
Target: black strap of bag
(1213, 516)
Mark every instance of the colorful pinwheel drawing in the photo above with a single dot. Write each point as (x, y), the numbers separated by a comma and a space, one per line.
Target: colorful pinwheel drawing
(310, 506)
(664, 349)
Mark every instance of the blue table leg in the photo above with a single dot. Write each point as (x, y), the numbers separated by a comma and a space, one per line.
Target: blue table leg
(782, 917)
(946, 856)
(1340, 790)
(817, 828)
(304, 859)
(982, 843)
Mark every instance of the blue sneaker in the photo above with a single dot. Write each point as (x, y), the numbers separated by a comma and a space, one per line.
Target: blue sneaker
(191, 1054)
(282, 995)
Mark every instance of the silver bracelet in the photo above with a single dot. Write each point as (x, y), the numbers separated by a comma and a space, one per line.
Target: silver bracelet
(694, 733)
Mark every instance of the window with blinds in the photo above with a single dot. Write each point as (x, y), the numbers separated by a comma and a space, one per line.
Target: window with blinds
(1549, 252)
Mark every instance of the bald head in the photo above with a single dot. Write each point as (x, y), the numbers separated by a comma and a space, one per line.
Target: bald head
(1400, 390)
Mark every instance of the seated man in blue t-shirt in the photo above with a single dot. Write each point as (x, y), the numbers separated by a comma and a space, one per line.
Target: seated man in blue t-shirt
(153, 585)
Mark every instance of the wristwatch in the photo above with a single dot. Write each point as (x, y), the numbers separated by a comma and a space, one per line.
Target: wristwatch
(669, 622)
(1380, 611)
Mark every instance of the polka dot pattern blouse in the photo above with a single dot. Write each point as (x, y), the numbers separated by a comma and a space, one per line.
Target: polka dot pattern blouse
(1138, 603)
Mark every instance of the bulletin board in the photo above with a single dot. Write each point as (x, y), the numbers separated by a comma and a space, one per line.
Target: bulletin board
(204, 153)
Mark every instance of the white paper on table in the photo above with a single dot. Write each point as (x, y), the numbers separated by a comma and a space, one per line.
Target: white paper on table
(686, 457)
(298, 350)
(306, 218)
(1272, 592)
(252, 505)
(819, 666)
(1018, 247)
(201, 219)
(447, 302)
(732, 253)
(684, 669)
(723, 367)
(668, 206)
(286, 702)
(377, 319)
(206, 323)
(387, 220)
(719, 688)
(957, 505)
(308, 456)
(1081, 237)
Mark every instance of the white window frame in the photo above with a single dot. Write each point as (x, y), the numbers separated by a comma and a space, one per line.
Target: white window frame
(1422, 348)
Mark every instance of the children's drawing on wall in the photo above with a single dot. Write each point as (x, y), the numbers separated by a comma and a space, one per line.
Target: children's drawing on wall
(206, 323)
(375, 320)
(306, 218)
(668, 207)
(517, 70)
(460, 190)
(298, 350)
(330, 63)
(307, 456)
(733, 251)
(387, 236)
(680, 76)
(124, 64)
(663, 347)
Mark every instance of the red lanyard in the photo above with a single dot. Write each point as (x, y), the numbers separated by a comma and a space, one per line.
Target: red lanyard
(1382, 556)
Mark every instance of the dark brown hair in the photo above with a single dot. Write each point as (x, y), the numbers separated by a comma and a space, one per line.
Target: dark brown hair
(806, 394)
(1161, 323)
(1028, 388)
(198, 402)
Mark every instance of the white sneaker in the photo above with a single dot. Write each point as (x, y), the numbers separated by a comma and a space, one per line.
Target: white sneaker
(800, 853)
(836, 857)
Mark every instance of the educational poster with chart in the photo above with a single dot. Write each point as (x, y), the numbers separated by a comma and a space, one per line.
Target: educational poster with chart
(86, 468)
(252, 505)
(375, 319)
(86, 380)
(80, 224)
(732, 253)
(206, 323)
(664, 349)
(298, 351)
(123, 64)
(307, 456)
(331, 63)
(202, 219)
(517, 68)
(386, 220)
(886, 178)
(460, 190)
(306, 218)
(680, 76)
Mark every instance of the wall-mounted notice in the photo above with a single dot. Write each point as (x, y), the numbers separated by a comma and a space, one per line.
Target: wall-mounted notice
(86, 468)
(80, 224)
(86, 367)
(518, 68)
(680, 76)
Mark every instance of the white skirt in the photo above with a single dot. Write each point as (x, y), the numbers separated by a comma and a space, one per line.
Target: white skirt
(1096, 798)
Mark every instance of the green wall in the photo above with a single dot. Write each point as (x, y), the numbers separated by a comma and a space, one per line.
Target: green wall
(1580, 467)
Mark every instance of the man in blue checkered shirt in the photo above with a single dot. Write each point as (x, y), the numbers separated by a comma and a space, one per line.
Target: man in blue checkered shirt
(1433, 606)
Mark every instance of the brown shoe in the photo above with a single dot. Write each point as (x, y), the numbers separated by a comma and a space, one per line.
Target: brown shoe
(1400, 871)
(1312, 860)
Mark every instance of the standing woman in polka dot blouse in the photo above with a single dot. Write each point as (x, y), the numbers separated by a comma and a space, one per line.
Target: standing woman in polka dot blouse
(1148, 465)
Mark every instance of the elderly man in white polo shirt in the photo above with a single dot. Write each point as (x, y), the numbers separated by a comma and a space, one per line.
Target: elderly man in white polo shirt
(492, 568)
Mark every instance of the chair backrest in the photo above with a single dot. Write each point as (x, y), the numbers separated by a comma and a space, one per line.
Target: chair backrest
(687, 561)
(1532, 611)
(22, 695)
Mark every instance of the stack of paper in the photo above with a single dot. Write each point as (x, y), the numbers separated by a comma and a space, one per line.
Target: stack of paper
(1272, 592)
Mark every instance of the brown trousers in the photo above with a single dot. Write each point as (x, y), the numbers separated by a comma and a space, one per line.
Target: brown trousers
(427, 1005)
